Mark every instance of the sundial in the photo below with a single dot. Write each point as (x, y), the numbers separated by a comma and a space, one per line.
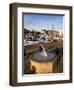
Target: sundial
(43, 62)
(42, 55)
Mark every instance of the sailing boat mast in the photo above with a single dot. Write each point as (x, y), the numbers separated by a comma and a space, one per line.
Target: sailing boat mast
(52, 30)
(52, 27)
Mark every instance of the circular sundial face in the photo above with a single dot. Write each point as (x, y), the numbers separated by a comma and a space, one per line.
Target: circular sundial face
(41, 57)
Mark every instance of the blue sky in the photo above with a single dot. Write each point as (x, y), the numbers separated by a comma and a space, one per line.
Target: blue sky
(38, 22)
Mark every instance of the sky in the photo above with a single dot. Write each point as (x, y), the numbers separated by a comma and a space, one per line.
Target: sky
(39, 22)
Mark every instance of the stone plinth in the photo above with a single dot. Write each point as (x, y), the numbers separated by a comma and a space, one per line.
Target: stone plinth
(44, 66)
